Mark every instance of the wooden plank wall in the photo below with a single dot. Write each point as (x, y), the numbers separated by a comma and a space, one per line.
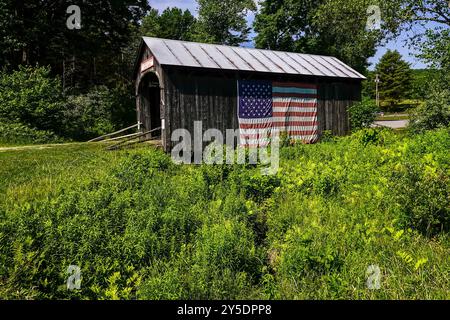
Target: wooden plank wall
(212, 98)
(192, 97)
(334, 100)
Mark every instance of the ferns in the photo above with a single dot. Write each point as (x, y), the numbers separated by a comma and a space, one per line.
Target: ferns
(143, 228)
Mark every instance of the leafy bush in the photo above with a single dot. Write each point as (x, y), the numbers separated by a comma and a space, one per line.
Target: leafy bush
(32, 97)
(90, 115)
(14, 133)
(421, 185)
(257, 186)
(434, 113)
(370, 136)
(300, 256)
(226, 244)
(362, 114)
(327, 136)
(135, 170)
(425, 200)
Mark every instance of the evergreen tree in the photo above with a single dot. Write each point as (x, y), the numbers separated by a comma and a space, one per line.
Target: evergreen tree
(150, 24)
(34, 32)
(395, 76)
(368, 86)
(173, 23)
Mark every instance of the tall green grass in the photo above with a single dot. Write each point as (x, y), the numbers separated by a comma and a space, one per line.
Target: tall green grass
(141, 227)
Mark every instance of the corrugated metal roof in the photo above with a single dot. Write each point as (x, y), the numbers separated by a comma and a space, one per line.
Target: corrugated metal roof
(211, 56)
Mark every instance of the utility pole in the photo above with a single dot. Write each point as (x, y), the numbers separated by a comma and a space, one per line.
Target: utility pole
(377, 81)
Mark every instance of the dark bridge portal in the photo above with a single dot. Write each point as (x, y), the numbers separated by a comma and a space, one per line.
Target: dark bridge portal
(150, 104)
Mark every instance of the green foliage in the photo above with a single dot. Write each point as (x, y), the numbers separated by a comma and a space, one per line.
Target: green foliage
(368, 86)
(362, 114)
(32, 97)
(327, 136)
(424, 195)
(331, 27)
(435, 112)
(278, 22)
(223, 22)
(257, 186)
(421, 82)
(95, 113)
(421, 79)
(35, 32)
(18, 134)
(395, 77)
(173, 23)
(301, 256)
(141, 227)
(436, 48)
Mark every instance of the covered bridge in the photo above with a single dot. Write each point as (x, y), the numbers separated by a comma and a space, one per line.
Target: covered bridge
(180, 82)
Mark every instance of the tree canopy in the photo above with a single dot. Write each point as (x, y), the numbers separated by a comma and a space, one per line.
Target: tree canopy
(173, 23)
(35, 32)
(330, 27)
(224, 22)
(102, 52)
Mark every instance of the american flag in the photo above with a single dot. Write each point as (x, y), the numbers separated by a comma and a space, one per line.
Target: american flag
(266, 105)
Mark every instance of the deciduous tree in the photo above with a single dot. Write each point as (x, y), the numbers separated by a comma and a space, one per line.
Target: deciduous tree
(330, 27)
(224, 22)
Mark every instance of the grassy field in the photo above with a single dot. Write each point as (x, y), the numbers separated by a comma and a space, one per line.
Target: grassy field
(141, 227)
(34, 173)
(393, 117)
(403, 105)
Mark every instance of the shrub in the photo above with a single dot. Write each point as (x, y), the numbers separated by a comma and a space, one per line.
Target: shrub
(362, 114)
(301, 256)
(434, 113)
(327, 136)
(89, 115)
(369, 136)
(255, 185)
(136, 169)
(327, 185)
(32, 97)
(226, 244)
(423, 193)
(225, 261)
(14, 133)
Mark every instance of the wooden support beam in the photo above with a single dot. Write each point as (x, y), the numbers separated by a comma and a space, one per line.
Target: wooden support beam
(117, 145)
(121, 137)
(114, 133)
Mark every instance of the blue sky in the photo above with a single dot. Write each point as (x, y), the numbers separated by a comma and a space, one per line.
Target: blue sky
(398, 44)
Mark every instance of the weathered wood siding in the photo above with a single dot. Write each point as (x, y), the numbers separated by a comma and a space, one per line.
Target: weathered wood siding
(192, 96)
(212, 98)
(335, 97)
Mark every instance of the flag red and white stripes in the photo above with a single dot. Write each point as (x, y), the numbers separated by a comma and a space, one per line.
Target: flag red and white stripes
(288, 107)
